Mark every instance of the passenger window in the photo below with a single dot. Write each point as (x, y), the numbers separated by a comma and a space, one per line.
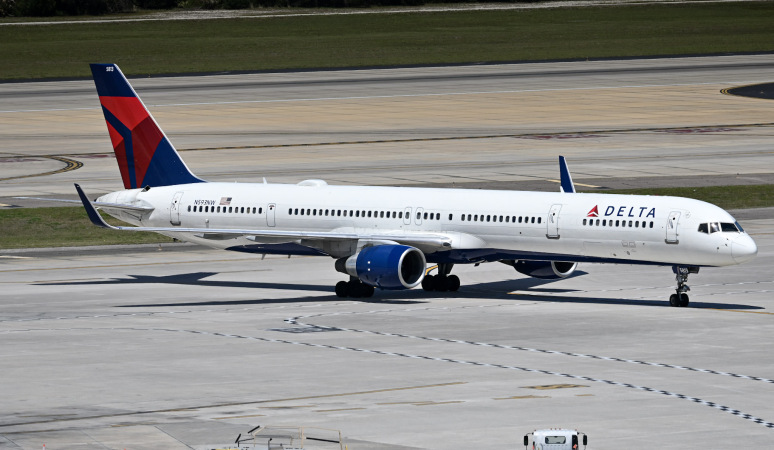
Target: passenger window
(450, 217)
(584, 221)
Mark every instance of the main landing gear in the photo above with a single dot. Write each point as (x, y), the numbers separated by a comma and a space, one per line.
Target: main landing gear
(354, 288)
(443, 281)
(680, 298)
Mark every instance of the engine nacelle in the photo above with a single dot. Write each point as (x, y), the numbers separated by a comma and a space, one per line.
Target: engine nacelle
(546, 270)
(386, 266)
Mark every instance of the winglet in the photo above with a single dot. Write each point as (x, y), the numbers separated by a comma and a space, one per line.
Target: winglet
(94, 216)
(564, 173)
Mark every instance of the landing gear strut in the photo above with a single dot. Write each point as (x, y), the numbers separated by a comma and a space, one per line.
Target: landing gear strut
(680, 298)
(443, 281)
(354, 288)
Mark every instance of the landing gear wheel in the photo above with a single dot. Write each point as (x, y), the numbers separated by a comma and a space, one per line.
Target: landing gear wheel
(441, 283)
(354, 289)
(428, 283)
(680, 298)
(453, 283)
(342, 289)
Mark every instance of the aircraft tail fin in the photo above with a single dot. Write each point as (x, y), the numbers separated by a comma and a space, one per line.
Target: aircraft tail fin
(144, 154)
(566, 185)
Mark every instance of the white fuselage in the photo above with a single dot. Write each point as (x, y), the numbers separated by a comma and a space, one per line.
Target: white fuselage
(480, 224)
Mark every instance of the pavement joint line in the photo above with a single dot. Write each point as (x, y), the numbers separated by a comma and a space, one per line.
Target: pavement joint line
(220, 405)
(296, 321)
(711, 404)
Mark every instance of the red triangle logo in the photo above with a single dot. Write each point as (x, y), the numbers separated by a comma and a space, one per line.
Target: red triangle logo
(594, 212)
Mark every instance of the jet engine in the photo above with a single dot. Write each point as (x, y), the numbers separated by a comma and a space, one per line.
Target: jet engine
(386, 266)
(546, 270)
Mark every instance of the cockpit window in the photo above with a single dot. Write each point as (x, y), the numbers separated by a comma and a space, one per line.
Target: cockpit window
(725, 226)
(714, 227)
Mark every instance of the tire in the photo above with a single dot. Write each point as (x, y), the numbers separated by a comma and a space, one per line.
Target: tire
(673, 300)
(683, 300)
(342, 289)
(441, 283)
(454, 283)
(428, 283)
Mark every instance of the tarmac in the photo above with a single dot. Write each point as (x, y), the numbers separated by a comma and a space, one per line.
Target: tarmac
(179, 347)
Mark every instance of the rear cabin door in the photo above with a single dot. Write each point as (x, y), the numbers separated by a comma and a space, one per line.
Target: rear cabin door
(671, 228)
(552, 223)
(174, 209)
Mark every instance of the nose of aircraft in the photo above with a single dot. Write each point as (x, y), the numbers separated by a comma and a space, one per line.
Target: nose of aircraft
(743, 249)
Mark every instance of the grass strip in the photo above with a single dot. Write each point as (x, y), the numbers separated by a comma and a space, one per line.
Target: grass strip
(63, 227)
(157, 47)
(70, 227)
(726, 197)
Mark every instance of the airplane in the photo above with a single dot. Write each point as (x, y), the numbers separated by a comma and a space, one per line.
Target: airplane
(384, 237)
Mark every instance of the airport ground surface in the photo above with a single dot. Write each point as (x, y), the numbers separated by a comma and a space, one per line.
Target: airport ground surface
(186, 347)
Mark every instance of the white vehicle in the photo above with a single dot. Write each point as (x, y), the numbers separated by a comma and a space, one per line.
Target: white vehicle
(555, 439)
(383, 237)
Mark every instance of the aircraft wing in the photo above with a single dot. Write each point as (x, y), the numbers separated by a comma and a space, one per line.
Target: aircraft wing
(437, 241)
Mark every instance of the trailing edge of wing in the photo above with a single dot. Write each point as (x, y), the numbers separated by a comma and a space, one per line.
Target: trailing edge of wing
(436, 240)
(567, 185)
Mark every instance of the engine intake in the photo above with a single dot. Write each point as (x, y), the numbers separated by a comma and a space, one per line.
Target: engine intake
(386, 266)
(546, 270)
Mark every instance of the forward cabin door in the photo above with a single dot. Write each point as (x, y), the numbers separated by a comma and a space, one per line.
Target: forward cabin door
(671, 229)
(553, 222)
(174, 209)
(270, 218)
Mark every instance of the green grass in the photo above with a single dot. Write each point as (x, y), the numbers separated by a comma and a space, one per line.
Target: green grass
(62, 227)
(727, 197)
(70, 227)
(31, 52)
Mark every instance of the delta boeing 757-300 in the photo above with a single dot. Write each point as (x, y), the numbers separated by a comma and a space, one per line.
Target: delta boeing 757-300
(384, 237)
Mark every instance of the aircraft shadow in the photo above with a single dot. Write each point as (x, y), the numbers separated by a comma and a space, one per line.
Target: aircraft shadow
(538, 291)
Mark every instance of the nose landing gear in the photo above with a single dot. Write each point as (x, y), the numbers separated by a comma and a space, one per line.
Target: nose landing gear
(680, 298)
